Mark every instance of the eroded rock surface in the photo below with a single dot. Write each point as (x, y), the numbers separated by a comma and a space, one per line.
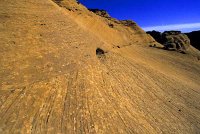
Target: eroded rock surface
(175, 40)
(101, 13)
(172, 39)
(52, 81)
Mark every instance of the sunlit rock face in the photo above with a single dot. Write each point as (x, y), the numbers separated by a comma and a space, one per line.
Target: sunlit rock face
(65, 69)
(102, 13)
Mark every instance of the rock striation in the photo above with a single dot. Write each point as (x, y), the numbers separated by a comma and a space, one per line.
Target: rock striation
(63, 69)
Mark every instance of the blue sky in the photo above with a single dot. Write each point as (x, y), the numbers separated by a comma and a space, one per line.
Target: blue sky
(160, 15)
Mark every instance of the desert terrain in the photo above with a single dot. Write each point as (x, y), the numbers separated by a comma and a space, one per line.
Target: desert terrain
(64, 69)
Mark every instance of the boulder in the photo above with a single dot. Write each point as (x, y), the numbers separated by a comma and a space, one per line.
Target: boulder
(171, 39)
(175, 40)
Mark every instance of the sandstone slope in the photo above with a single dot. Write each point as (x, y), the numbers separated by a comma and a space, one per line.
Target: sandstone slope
(52, 81)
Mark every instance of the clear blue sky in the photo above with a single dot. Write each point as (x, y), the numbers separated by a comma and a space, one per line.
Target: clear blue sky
(152, 14)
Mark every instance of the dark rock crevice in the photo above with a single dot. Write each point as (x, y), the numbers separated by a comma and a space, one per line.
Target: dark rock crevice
(100, 52)
(194, 38)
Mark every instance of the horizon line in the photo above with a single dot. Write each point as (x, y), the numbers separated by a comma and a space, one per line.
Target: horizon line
(179, 27)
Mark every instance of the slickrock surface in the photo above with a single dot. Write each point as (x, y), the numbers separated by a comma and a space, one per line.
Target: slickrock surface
(68, 71)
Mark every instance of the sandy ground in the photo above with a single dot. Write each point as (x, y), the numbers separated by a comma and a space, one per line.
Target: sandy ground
(53, 82)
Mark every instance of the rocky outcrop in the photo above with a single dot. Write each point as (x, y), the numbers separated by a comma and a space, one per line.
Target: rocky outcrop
(194, 38)
(101, 13)
(175, 40)
(172, 39)
(105, 14)
(128, 23)
(166, 33)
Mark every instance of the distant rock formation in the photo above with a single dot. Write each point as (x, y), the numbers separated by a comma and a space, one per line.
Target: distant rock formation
(172, 39)
(175, 40)
(194, 38)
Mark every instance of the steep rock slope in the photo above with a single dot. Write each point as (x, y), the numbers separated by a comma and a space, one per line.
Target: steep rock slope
(121, 34)
(52, 81)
